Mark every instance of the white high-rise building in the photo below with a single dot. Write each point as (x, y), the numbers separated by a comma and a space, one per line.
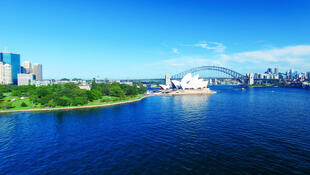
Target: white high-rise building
(167, 80)
(27, 66)
(276, 71)
(8, 74)
(37, 70)
(5, 73)
(1, 73)
(251, 79)
(25, 79)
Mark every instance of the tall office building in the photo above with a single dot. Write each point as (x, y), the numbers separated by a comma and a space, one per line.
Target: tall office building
(291, 73)
(27, 66)
(8, 77)
(37, 70)
(13, 60)
(276, 71)
(22, 70)
(269, 70)
(167, 80)
(5, 73)
(251, 79)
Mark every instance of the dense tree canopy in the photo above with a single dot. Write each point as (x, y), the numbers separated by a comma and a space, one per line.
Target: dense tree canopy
(69, 94)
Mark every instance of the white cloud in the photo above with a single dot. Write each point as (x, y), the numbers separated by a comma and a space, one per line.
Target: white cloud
(290, 54)
(216, 46)
(175, 50)
(297, 57)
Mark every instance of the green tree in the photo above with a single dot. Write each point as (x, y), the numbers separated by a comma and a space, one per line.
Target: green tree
(64, 101)
(116, 91)
(6, 105)
(23, 104)
(79, 101)
(94, 94)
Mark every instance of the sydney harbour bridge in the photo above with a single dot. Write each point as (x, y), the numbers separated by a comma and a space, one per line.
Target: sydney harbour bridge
(207, 72)
(215, 73)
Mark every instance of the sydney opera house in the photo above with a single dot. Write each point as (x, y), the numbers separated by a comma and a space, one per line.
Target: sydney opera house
(188, 85)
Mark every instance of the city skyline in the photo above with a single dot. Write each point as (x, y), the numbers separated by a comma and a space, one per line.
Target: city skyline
(111, 39)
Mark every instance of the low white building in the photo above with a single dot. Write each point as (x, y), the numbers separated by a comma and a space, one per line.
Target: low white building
(87, 87)
(127, 82)
(42, 83)
(25, 79)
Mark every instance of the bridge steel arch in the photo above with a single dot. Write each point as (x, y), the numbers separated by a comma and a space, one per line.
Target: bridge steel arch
(227, 71)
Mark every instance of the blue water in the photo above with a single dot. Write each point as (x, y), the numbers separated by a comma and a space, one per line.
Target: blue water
(255, 131)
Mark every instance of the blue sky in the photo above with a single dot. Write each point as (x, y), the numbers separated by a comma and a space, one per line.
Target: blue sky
(145, 39)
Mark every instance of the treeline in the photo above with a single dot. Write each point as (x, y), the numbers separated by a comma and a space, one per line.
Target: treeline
(118, 90)
(69, 94)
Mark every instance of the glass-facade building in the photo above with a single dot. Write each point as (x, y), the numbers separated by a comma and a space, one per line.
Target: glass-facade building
(14, 60)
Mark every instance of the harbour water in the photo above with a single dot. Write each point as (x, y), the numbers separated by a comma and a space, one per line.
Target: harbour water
(251, 131)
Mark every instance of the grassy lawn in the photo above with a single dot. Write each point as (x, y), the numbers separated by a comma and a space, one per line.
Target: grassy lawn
(17, 101)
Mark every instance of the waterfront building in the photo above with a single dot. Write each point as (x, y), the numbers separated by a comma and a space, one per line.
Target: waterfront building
(282, 76)
(265, 76)
(25, 79)
(276, 76)
(12, 59)
(256, 76)
(308, 75)
(37, 70)
(28, 67)
(190, 82)
(251, 79)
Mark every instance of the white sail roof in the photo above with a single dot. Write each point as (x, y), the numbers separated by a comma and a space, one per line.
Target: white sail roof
(189, 82)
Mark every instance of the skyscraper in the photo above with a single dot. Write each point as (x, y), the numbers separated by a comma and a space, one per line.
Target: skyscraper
(167, 80)
(8, 74)
(276, 71)
(269, 70)
(27, 66)
(13, 60)
(37, 70)
(5, 73)
(291, 73)
(251, 79)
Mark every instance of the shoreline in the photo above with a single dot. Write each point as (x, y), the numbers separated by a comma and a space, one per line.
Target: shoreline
(274, 87)
(100, 105)
(204, 91)
(75, 107)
